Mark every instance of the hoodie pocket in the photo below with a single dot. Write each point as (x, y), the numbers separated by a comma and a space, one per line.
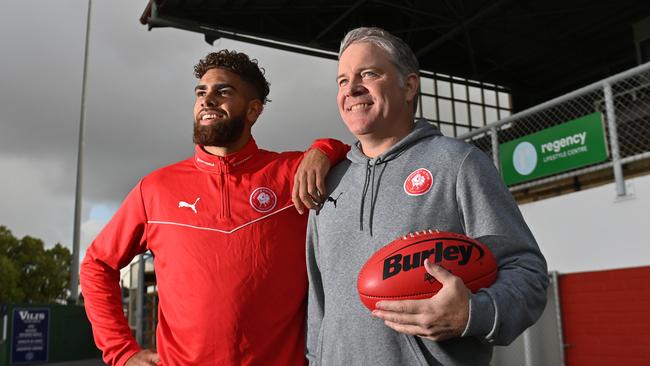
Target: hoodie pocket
(417, 351)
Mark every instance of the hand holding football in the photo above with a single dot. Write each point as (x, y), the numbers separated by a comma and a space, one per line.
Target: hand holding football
(397, 272)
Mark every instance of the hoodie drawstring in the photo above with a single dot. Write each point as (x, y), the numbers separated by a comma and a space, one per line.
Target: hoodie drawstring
(374, 191)
(373, 197)
(363, 195)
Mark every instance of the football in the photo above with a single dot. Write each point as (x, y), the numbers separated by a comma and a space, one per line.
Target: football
(397, 272)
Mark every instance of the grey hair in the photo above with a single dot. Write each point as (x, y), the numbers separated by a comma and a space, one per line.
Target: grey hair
(399, 52)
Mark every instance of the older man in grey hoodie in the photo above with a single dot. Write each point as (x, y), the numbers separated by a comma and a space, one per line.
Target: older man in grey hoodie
(371, 203)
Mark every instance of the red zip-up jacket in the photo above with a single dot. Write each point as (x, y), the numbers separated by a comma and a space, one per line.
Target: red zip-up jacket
(229, 256)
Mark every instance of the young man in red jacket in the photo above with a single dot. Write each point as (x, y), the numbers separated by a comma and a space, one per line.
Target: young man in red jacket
(228, 246)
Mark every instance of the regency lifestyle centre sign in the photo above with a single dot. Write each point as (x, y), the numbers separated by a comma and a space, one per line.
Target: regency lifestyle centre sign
(568, 146)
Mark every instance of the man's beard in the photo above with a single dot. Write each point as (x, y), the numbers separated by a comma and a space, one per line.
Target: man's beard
(220, 133)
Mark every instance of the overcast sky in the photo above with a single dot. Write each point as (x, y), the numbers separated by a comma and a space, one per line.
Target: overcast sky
(139, 108)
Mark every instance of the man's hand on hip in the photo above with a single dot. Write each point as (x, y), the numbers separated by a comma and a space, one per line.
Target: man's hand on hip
(143, 358)
(309, 181)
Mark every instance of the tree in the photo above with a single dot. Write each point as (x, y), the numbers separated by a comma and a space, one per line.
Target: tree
(29, 272)
(9, 281)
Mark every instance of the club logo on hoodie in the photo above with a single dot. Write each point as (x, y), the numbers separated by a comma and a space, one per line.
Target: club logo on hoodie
(418, 183)
(263, 199)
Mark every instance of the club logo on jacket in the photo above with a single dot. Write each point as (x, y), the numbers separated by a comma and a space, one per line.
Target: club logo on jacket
(263, 199)
(418, 183)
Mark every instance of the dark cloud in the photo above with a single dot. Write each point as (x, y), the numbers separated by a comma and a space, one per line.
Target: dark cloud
(139, 106)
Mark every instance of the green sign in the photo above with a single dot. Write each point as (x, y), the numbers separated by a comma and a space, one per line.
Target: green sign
(571, 145)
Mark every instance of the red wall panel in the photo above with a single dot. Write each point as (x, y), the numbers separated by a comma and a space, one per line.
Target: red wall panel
(606, 317)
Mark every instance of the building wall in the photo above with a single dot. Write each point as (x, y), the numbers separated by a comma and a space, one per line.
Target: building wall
(592, 230)
(604, 312)
(605, 317)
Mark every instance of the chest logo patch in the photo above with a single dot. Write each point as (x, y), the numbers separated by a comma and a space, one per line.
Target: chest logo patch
(418, 183)
(189, 205)
(263, 199)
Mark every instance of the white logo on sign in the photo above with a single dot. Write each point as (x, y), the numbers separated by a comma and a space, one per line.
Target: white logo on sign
(189, 205)
(26, 315)
(524, 158)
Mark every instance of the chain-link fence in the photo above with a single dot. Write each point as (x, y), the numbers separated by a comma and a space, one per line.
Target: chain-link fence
(623, 100)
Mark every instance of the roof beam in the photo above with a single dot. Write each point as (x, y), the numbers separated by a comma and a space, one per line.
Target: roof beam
(411, 10)
(537, 52)
(338, 20)
(466, 24)
(242, 4)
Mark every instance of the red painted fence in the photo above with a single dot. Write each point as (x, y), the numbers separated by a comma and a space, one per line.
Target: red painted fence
(606, 317)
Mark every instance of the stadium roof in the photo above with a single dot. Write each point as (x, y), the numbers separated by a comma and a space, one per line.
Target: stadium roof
(539, 49)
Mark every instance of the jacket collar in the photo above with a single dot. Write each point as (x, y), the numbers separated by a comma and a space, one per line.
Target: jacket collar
(224, 164)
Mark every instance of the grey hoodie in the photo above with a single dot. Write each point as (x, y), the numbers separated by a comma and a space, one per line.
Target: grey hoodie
(369, 207)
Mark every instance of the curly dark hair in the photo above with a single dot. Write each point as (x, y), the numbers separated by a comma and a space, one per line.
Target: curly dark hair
(240, 64)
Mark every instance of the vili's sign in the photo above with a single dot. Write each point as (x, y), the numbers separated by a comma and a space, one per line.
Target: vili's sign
(30, 335)
(568, 146)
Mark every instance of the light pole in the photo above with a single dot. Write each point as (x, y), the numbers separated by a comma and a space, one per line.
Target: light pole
(74, 266)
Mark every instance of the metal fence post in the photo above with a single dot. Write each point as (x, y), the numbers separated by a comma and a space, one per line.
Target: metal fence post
(613, 140)
(5, 322)
(558, 314)
(528, 348)
(494, 138)
(139, 303)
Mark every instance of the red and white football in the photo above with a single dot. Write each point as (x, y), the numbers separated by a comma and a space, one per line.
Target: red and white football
(397, 272)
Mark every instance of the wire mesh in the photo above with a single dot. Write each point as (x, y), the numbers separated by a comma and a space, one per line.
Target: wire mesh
(631, 110)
